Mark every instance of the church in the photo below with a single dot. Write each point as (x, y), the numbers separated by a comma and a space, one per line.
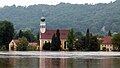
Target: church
(46, 35)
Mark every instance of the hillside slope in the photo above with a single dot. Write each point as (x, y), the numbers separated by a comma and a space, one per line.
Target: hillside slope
(99, 18)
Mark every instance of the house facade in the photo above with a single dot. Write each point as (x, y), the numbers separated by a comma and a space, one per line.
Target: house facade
(106, 44)
(47, 36)
(13, 45)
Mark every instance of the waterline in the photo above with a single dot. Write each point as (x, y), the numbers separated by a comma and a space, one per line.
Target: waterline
(59, 54)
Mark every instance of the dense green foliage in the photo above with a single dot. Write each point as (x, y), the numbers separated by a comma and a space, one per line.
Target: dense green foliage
(31, 48)
(6, 33)
(87, 43)
(71, 39)
(22, 45)
(99, 17)
(116, 41)
(27, 34)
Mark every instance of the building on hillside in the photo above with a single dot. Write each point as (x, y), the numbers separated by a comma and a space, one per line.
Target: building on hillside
(47, 36)
(13, 45)
(106, 44)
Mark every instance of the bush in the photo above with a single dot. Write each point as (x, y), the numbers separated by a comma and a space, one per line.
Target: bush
(46, 46)
(3, 48)
(31, 48)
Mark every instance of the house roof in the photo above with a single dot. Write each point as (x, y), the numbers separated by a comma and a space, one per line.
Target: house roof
(16, 40)
(33, 43)
(99, 38)
(49, 33)
(107, 40)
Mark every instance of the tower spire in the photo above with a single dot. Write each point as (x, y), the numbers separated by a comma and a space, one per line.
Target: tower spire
(42, 30)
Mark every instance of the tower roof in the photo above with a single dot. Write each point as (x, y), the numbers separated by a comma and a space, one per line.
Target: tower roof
(42, 19)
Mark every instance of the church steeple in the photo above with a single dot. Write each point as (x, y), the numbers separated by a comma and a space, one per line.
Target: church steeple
(42, 25)
(42, 29)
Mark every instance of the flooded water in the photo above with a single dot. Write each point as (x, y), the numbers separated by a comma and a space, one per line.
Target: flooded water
(32, 59)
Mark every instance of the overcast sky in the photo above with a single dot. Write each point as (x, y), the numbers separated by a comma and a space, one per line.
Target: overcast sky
(50, 2)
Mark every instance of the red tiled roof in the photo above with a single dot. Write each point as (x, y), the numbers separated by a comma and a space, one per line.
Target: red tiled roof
(16, 40)
(99, 38)
(49, 33)
(33, 43)
(107, 40)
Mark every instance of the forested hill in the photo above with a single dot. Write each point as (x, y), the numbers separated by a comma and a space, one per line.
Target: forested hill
(98, 18)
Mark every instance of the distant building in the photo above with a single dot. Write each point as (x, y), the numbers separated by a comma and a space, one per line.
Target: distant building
(47, 36)
(106, 44)
(13, 45)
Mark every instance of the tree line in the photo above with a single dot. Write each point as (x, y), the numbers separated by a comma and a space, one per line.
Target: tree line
(82, 43)
(75, 40)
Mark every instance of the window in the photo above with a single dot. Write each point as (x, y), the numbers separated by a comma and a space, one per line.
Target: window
(42, 26)
(65, 45)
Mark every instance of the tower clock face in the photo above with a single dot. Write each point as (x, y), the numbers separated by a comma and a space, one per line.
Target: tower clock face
(42, 30)
(42, 27)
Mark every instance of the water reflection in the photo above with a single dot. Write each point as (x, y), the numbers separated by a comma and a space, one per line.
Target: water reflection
(19, 63)
(59, 63)
(78, 63)
(53, 63)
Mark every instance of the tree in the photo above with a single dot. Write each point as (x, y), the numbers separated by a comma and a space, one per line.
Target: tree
(87, 40)
(94, 44)
(109, 33)
(78, 45)
(28, 34)
(22, 45)
(53, 43)
(78, 35)
(20, 34)
(58, 41)
(46, 46)
(116, 41)
(6, 33)
(38, 36)
(71, 39)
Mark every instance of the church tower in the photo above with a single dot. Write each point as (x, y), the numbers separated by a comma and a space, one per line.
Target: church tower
(42, 29)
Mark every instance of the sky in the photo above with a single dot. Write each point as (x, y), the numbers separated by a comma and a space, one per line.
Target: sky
(50, 2)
